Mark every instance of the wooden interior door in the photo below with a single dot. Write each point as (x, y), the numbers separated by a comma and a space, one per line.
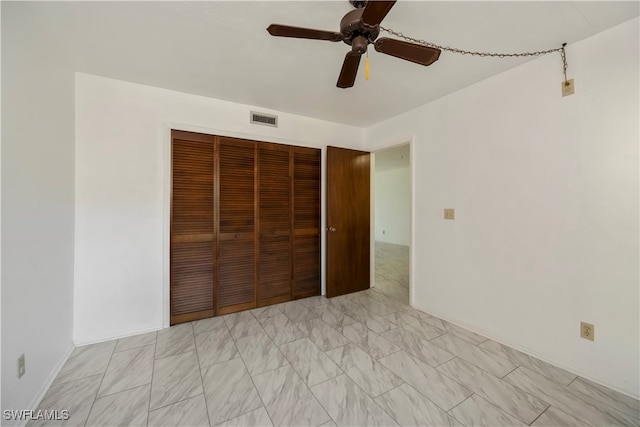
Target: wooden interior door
(348, 221)
(192, 238)
(237, 218)
(274, 205)
(306, 222)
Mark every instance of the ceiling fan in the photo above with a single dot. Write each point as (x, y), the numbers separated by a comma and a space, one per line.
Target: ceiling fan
(359, 28)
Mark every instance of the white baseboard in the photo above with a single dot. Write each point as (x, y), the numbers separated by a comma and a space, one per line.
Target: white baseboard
(530, 352)
(80, 343)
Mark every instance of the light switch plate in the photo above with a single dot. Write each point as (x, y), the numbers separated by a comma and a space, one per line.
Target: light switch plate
(449, 213)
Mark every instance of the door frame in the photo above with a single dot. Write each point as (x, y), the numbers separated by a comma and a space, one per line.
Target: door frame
(385, 146)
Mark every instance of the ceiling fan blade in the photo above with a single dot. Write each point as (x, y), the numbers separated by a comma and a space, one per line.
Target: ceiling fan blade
(375, 11)
(423, 55)
(303, 33)
(349, 70)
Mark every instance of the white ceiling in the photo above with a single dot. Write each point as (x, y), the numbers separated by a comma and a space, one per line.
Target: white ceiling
(222, 50)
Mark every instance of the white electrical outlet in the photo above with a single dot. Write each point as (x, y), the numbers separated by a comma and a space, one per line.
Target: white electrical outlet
(587, 331)
(21, 366)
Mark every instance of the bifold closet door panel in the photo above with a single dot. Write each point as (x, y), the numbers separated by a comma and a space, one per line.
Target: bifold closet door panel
(192, 247)
(237, 248)
(245, 225)
(306, 222)
(274, 273)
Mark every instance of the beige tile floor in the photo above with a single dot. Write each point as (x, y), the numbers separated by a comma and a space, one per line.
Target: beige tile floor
(363, 359)
(392, 271)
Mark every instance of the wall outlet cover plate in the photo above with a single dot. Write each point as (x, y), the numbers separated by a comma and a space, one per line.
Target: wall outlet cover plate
(568, 88)
(21, 366)
(587, 331)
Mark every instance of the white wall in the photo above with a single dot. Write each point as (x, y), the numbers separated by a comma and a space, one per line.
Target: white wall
(122, 198)
(546, 196)
(37, 208)
(0, 213)
(393, 206)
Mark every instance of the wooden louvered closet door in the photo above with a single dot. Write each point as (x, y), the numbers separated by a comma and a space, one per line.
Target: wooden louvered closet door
(192, 243)
(245, 225)
(274, 274)
(237, 215)
(306, 222)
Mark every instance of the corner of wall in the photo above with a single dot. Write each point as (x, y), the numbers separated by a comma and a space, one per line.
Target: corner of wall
(37, 207)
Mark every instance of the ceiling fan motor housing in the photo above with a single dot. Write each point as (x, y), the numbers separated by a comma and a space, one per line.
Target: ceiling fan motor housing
(351, 26)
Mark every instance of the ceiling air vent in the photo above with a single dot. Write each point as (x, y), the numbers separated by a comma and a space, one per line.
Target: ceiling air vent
(264, 119)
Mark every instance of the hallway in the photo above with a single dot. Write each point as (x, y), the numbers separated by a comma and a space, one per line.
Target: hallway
(392, 271)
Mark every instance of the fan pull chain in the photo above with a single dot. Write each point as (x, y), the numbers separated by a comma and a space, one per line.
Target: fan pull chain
(564, 63)
(366, 67)
(484, 54)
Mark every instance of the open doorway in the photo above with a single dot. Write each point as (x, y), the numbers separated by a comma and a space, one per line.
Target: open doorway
(393, 221)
